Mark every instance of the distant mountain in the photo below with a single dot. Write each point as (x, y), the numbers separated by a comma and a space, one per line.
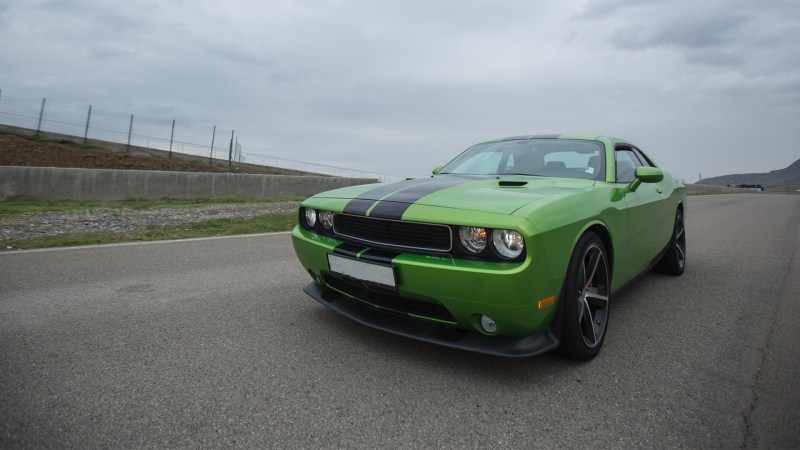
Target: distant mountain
(776, 180)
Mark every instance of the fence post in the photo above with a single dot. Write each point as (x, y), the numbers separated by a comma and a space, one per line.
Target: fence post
(230, 152)
(213, 135)
(86, 132)
(130, 131)
(238, 150)
(41, 115)
(171, 136)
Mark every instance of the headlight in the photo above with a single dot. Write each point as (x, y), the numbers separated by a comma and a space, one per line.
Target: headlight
(311, 217)
(472, 238)
(326, 219)
(508, 243)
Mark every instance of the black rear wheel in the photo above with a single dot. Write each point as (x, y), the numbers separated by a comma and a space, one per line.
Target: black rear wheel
(585, 298)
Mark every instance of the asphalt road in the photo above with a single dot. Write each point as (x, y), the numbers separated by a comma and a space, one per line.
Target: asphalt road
(209, 343)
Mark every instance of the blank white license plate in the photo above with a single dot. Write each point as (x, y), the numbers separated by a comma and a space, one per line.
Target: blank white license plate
(362, 271)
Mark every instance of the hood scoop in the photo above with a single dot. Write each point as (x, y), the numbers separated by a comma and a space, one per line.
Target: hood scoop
(512, 183)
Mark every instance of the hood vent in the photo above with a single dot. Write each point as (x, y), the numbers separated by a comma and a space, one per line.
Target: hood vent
(512, 183)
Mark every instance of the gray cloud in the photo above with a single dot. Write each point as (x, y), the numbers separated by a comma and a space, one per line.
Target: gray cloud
(691, 32)
(400, 87)
(737, 33)
(4, 14)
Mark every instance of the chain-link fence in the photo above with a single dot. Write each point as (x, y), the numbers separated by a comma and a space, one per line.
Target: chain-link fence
(86, 122)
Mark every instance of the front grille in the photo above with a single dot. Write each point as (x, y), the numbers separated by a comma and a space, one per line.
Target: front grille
(394, 233)
(390, 300)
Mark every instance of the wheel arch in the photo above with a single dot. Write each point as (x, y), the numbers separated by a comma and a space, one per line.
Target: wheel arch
(599, 229)
(602, 232)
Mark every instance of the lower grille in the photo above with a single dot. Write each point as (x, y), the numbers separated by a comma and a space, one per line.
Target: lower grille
(394, 233)
(391, 300)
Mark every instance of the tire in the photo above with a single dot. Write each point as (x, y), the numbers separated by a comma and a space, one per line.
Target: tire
(674, 260)
(585, 300)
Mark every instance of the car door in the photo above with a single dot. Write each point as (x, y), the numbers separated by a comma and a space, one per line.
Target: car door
(645, 221)
(663, 212)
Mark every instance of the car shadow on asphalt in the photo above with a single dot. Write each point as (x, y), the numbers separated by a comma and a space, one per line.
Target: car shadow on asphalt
(412, 355)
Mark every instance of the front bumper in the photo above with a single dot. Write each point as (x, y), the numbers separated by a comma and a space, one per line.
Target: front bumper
(518, 347)
(508, 293)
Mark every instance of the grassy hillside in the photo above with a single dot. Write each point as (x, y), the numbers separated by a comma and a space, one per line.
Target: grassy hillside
(782, 180)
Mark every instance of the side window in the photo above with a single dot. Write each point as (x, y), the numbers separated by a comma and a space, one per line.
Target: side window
(645, 162)
(626, 164)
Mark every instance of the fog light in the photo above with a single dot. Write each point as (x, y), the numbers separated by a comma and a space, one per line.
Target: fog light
(488, 324)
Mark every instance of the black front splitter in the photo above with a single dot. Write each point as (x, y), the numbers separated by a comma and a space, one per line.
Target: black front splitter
(515, 347)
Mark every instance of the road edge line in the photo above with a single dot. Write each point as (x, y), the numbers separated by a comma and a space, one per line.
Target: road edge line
(125, 244)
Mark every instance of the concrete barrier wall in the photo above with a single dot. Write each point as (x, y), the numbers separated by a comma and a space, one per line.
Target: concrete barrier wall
(695, 189)
(106, 184)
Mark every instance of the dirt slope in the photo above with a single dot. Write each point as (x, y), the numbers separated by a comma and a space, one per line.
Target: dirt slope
(27, 151)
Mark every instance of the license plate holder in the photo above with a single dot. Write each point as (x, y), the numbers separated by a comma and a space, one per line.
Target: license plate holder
(371, 273)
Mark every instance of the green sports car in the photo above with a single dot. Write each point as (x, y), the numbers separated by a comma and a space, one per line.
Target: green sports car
(514, 248)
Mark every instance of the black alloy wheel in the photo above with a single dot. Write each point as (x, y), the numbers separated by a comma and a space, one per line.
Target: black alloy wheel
(586, 299)
(674, 260)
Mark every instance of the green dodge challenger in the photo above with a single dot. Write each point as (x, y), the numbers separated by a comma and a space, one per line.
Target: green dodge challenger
(514, 248)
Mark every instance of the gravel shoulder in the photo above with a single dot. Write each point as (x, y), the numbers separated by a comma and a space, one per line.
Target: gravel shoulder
(27, 226)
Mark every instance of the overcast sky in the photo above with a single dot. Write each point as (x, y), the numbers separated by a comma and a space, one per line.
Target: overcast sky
(399, 87)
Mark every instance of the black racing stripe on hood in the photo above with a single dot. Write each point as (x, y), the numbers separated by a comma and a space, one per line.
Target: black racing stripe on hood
(361, 203)
(394, 205)
(348, 250)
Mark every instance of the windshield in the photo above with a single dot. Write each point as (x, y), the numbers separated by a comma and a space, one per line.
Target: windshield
(563, 158)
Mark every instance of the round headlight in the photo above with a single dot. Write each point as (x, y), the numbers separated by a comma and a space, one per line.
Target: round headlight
(508, 243)
(311, 217)
(326, 219)
(473, 238)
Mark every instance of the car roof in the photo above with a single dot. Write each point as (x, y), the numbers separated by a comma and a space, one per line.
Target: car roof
(584, 137)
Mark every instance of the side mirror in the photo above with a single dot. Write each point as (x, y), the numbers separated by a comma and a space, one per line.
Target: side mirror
(649, 174)
(645, 175)
(436, 170)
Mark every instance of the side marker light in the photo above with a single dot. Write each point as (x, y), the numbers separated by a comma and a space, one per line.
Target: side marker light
(547, 301)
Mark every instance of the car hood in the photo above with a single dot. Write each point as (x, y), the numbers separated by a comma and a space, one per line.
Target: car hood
(493, 194)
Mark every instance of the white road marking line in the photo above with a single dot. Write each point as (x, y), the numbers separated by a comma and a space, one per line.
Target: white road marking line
(124, 244)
